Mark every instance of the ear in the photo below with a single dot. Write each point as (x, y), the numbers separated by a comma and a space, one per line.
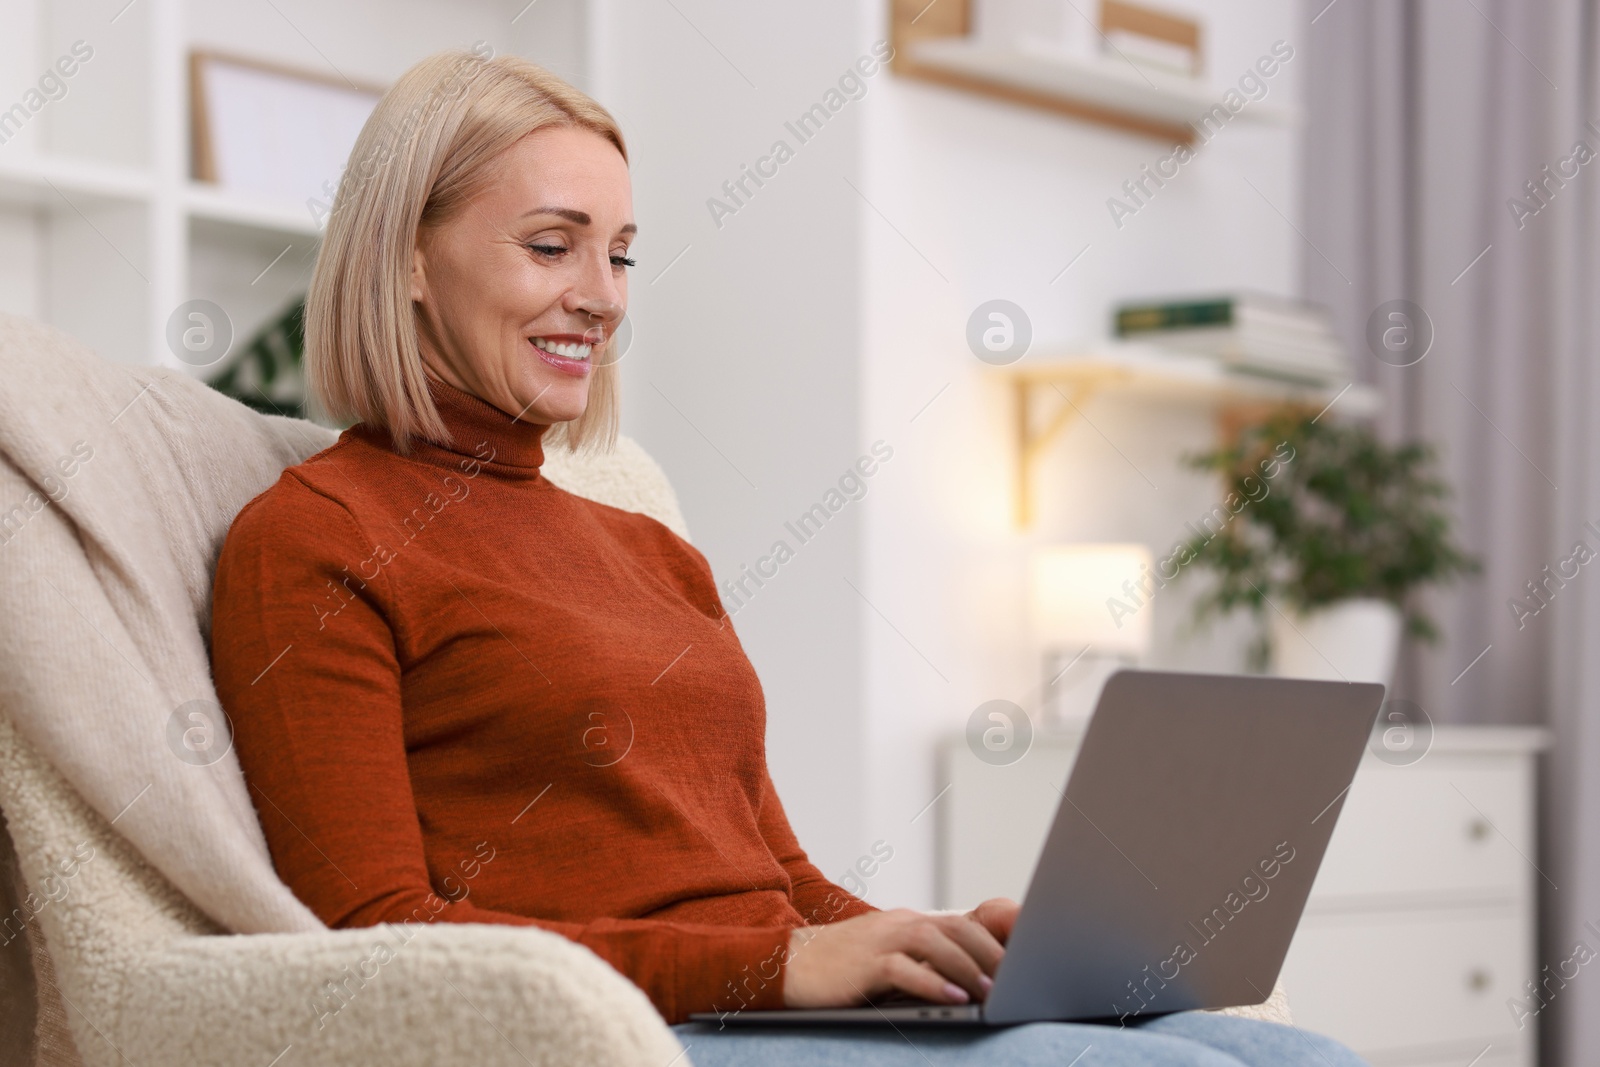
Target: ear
(419, 276)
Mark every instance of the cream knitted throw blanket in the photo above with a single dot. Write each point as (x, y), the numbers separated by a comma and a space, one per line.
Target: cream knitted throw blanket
(117, 484)
(117, 487)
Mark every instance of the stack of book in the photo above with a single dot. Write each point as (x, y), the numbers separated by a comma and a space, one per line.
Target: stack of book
(1248, 332)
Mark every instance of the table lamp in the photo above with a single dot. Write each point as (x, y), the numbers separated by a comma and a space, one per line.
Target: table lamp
(1091, 614)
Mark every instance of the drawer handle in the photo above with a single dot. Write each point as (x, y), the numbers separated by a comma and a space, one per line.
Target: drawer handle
(1479, 980)
(1478, 830)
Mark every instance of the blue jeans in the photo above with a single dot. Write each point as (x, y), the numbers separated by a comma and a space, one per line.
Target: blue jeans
(1184, 1039)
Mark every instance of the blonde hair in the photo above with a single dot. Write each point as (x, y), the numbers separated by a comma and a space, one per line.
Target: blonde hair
(423, 154)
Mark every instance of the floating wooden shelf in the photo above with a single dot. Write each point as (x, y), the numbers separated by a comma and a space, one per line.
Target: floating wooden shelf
(933, 42)
(1155, 373)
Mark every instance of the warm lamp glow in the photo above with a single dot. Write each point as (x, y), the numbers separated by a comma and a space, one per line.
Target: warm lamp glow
(1071, 588)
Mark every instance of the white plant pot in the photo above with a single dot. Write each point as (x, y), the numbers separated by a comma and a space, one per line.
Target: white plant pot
(1354, 640)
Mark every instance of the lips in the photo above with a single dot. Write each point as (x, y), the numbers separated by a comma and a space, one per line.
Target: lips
(565, 353)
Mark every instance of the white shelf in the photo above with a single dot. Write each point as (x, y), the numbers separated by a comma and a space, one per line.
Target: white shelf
(203, 201)
(1106, 84)
(43, 180)
(103, 232)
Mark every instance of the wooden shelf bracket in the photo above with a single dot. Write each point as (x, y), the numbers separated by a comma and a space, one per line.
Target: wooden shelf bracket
(1032, 440)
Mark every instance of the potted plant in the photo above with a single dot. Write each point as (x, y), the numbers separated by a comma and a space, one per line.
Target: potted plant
(1326, 550)
(268, 374)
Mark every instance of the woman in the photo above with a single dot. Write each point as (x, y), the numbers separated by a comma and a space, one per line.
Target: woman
(461, 694)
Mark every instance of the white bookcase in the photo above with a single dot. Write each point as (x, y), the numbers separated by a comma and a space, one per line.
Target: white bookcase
(102, 232)
(1423, 917)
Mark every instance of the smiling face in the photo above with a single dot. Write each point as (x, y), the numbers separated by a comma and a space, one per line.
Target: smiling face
(517, 292)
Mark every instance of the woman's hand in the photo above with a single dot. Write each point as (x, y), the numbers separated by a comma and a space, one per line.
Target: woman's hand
(947, 959)
(997, 915)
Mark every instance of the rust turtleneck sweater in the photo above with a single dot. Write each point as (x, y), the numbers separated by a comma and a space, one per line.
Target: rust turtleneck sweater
(461, 694)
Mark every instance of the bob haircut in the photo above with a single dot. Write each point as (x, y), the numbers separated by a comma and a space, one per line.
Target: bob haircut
(424, 153)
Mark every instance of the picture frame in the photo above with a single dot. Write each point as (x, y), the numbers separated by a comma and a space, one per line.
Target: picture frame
(272, 131)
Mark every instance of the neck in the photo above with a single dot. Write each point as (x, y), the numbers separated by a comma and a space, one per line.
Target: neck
(481, 433)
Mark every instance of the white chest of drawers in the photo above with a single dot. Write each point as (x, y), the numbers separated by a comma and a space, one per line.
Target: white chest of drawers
(1422, 921)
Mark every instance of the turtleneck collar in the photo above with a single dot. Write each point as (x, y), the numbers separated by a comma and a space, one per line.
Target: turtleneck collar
(482, 433)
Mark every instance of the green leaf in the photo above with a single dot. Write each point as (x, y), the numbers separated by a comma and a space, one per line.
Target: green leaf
(1347, 516)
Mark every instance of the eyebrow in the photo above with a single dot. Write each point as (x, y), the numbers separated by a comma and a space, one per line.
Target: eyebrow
(580, 217)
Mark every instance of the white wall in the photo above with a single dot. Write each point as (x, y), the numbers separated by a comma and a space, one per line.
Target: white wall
(999, 199)
(744, 378)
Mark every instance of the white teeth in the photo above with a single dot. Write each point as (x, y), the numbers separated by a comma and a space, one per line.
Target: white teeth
(578, 351)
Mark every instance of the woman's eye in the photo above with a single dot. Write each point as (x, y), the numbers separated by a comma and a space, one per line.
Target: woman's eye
(548, 250)
(621, 261)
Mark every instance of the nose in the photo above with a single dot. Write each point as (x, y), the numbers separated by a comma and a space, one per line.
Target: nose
(602, 315)
(597, 297)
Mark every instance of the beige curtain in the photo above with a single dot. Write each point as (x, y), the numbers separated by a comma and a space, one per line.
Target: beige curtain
(1430, 127)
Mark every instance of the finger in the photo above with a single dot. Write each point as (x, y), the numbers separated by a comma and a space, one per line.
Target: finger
(999, 916)
(927, 941)
(907, 975)
(975, 939)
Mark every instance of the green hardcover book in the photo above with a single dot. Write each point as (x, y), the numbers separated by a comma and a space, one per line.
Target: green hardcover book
(1148, 318)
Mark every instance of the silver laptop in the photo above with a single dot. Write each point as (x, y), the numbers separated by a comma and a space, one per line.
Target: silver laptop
(1175, 872)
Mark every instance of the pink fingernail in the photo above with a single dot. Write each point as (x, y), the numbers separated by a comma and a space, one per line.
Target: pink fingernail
(985, 981)
(955, 992)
